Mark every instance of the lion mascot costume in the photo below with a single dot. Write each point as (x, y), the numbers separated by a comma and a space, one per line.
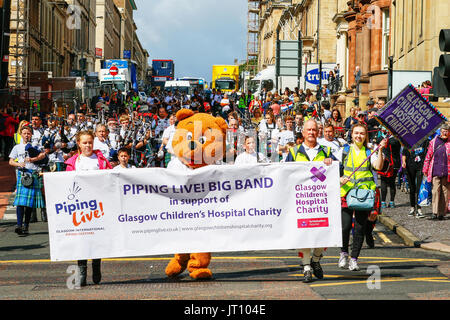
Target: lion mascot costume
(199, 140)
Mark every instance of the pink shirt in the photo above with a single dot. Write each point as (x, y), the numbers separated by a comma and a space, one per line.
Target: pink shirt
(276, 108)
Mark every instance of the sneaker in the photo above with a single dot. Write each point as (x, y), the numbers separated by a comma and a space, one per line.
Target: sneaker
(411, 212)
(353, 265)
(420, 214)
(18, 230)
(343, 260)
(391, 204)
(383, 205)
(317, 269)
(434, 216)
(307, 274)
(25, 230)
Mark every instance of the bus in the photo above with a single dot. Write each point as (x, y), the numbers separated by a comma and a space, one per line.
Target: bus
(162, 70)
(198, 84)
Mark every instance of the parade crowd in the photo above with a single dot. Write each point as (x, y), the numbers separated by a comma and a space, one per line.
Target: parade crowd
(119, 131)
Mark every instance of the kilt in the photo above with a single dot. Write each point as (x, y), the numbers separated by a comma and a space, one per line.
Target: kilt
(29, 197)
(167, 158)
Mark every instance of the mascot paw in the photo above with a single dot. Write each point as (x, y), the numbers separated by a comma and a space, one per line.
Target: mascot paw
(201, 274)
(174, 269)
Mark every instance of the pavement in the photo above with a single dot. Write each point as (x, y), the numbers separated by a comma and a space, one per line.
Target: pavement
(420, 233)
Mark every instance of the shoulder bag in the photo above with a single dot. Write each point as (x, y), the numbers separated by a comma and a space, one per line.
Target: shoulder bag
(360, 199)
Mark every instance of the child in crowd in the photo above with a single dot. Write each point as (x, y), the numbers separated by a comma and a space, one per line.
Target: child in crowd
(250, 155)
(88, 159)
(124, 157)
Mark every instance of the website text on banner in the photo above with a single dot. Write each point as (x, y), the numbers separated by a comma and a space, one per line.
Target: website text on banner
(140, 212)
(410, 117)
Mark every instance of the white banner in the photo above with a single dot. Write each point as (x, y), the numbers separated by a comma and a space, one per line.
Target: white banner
(229, 208)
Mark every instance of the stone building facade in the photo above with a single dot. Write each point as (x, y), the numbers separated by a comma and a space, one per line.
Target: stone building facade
(312, 18)
(366, 27)
(108, 31)
(415, 33)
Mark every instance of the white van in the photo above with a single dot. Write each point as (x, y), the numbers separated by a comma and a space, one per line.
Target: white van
(182, 86)
(266, 79)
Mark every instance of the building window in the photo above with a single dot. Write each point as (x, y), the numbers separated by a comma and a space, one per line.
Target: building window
(411, 22)
(403, 27)
(385, 39)
(421, 19)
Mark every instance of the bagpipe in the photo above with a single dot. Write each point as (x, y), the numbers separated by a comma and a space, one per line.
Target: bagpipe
(33, 153)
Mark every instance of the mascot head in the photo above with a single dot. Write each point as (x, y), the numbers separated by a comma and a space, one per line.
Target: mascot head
(199, 139)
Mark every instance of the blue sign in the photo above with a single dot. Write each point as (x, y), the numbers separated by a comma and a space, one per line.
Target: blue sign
(313, 76)
(121, 64)
(127, 54)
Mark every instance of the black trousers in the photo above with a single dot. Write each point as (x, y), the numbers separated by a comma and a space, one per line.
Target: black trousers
(359, 230)
(388, 183)
(415, 177)
(83, 263)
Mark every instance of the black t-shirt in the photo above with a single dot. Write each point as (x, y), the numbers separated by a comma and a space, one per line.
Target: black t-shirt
(416, 157)
(395, 146)
(372, 125)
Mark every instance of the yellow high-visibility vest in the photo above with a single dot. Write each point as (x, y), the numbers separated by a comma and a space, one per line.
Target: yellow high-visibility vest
(363, 176)
(299, 155)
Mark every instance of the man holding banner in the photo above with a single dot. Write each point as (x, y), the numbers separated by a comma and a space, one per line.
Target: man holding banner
(310, 150)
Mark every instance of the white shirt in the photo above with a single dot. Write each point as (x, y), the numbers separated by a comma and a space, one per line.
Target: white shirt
(87, 163)
(119, 167)
(333, 145)
(168, 134)
(113, 140)
(36, 140)
(225, 105)
(326, 114)
(176, 164)
(265, 127)
(19, 153)
(57, 156)
(311, 152)
(163, 124)
(286, 137)
(168, 99)
(102, 146)
(249, 158)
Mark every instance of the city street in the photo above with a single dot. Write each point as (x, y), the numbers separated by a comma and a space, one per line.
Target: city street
(405, 273)
(136, 130)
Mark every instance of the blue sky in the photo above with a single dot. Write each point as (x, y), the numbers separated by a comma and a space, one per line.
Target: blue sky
(196, 34)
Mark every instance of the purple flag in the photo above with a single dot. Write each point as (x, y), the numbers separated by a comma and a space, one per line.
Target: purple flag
(410, 117)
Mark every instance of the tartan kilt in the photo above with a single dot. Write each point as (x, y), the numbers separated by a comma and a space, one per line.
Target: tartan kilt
(29, 197)
(167, 158)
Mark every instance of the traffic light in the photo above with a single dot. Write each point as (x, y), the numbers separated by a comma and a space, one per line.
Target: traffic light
(441, 75)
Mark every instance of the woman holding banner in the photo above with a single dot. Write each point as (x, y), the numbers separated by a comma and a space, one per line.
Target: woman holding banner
(88, 159)
(436, 168)
(356, 171)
